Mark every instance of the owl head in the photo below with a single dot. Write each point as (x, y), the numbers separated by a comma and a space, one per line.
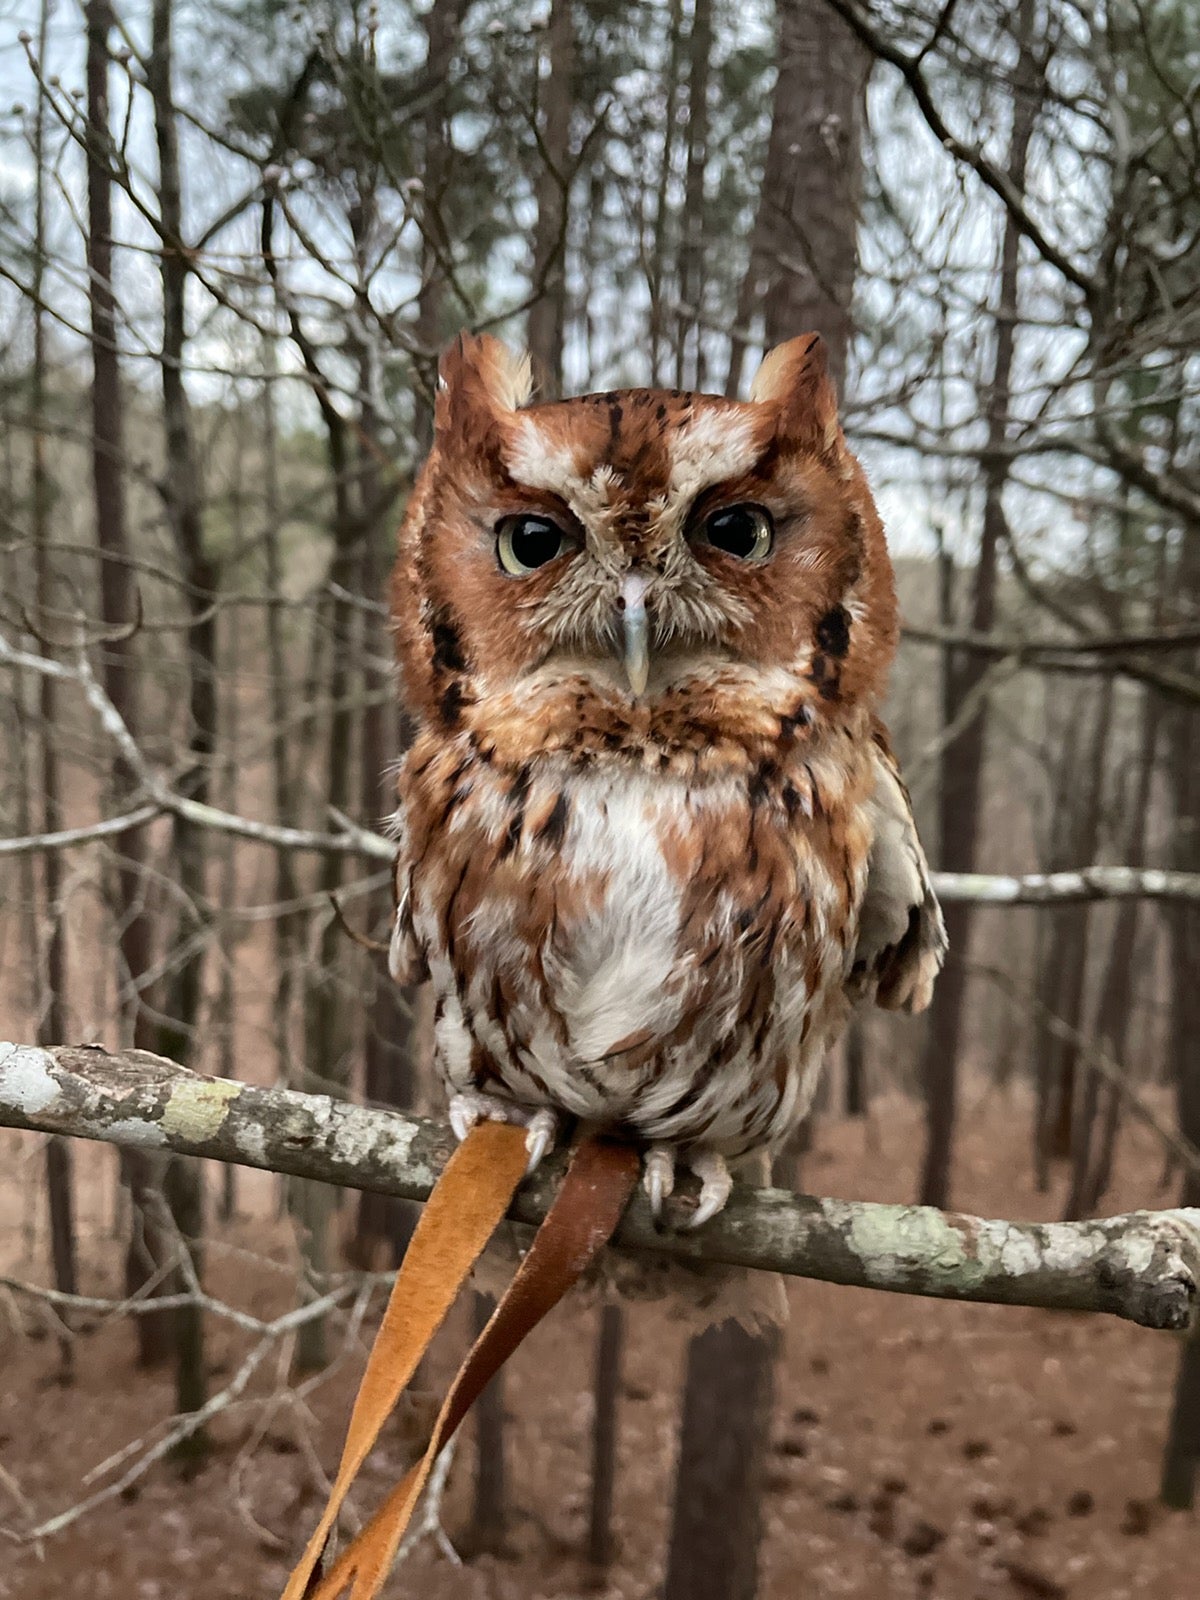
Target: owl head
(641, 574)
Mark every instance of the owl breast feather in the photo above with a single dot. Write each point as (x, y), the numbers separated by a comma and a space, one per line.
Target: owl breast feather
(630, 948)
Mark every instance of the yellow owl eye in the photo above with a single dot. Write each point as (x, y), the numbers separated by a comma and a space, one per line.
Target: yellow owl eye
(744, 531)
(525, 543)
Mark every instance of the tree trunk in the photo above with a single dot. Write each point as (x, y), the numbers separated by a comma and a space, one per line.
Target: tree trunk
(657, 274)
(606, 1389)
(1182, 1459)
(804, 250)
(716, 1523)
(148, 1247)
(857, 1087)
(1083, 795)
(489, 1508)
(689, 314)
(289, 925)
(382, 1224)
(962, 760)
(443, 22)
(183, 990)
(52, 976)
(1092, 1154)
(547, 315)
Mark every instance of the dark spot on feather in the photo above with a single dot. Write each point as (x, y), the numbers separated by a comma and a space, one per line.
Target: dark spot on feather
(447, 644)
(555, 825)
(828, 683)
(799, 717)
(451, 703)
(760, 783)
(833, 632)
(791, 799)
(517, 795)
(457, 796)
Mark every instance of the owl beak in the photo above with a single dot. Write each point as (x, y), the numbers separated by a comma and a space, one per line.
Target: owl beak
(635, 626)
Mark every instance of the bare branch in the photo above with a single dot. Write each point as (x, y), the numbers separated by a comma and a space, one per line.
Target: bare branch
(1144, 1266)
(1067, 888)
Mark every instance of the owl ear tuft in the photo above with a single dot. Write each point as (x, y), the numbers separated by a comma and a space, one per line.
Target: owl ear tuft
(478, 372)
(794, 382)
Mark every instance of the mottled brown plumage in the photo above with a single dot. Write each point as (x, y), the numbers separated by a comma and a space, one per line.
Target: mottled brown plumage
(652, 836)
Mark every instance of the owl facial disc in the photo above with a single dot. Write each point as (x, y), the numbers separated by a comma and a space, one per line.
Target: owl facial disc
(635, 626)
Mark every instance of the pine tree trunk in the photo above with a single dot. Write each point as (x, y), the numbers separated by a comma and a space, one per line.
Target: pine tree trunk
(962, 760)
(804, 249)
(183, 995)
(52, 977)
(1093, 1151)
(606, 1389)
(716, 1523)
(141, 1172)
(715, 1526)
(689, 334)
(443, 22)
(1182, 1458)
(383, 1224)
(548, 314)
(489, 1508)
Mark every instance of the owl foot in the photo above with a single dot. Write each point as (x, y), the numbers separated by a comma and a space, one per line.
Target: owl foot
(471, 1106)
(658, 1180)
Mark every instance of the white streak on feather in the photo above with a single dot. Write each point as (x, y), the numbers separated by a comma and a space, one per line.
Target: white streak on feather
(617, 980)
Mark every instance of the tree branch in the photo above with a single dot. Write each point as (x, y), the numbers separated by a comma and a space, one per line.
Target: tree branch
(1144, 1266)
(1067, 888)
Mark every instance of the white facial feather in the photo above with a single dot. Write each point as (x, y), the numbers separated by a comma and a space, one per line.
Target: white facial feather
(714, 447)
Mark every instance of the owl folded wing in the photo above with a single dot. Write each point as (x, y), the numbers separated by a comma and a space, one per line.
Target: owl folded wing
(901, 936)
(406, 958)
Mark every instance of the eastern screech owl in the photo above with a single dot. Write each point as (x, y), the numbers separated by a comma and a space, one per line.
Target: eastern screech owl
(653, 840)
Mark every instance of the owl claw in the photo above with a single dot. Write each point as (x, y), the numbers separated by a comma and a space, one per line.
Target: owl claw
(541, 1132)
(658, 1176)
(715, 1186)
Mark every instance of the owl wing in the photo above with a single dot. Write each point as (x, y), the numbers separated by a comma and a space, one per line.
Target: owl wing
(406, 957)
(901, 935)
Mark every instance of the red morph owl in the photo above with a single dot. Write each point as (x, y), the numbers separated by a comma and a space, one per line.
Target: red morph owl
(653, 841)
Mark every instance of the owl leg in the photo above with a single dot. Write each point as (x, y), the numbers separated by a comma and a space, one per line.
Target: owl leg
(470, 1106)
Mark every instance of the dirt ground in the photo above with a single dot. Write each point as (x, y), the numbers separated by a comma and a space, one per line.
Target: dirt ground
(918, 1449)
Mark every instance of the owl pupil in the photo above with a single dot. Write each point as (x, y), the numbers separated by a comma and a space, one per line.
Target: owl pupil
(535, 541)
(739, 531)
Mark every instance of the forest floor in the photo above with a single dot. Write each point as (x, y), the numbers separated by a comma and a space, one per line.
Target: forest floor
(918, 1449)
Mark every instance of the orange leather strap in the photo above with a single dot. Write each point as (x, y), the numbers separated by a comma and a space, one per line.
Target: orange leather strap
(460, 1216)
(582, 1219)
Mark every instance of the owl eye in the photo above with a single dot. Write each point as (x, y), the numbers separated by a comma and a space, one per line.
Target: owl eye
(525, 543)
(744, 531)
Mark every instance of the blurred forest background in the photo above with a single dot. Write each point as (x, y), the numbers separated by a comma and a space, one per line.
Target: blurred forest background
(234, 235)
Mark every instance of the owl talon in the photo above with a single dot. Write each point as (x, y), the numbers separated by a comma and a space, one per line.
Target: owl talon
(470, 1107)
(658, 1176)
(715, 1187)
(540, 1135)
